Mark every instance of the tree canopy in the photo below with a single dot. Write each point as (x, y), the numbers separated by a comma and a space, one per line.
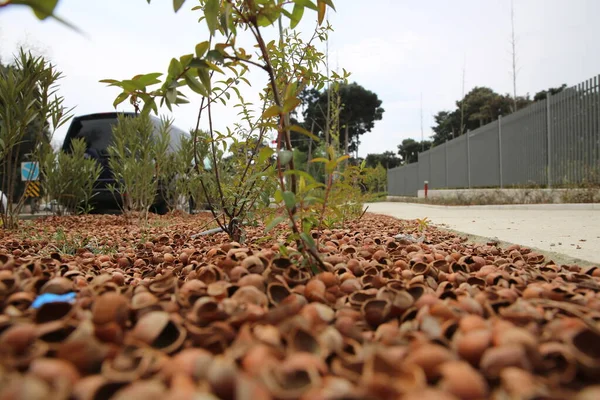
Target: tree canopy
(541, 95)
(360, 108)
(387, 159)
(409, 150)
(479, 107)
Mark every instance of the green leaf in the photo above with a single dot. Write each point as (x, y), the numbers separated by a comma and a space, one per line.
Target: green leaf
(289, 198)
(330, 166)
(290, 104)
(278, 196)
(148, 79)
(41, 8)
(195, 85)
(342, 158)
(307, 239)
(274, 222)
(264, 154)
(271, 112)
(307, 3)
(172, 95)
(186, 59)
(131, 85)
(285, 156)
(211, 13)
(111, 82)
(214, 67)
(120, 98)
(320, 159)
(202, 48)
(302, 174)
(204, 78)
(216, 56)
(322, 9)
(177, 4)
(299, 129)
(267, 18)
(175, 68)
(149, 106)
(296, 15)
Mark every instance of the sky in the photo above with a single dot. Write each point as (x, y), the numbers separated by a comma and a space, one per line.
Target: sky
(412, 54)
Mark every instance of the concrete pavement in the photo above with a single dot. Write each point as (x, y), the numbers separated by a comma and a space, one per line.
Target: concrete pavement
(570, 232)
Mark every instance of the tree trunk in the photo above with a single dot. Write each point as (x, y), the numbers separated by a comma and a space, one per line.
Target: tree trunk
(346, 140)
(310, 142)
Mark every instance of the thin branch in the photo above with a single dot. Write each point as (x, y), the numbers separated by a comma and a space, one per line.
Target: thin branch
(235, 58)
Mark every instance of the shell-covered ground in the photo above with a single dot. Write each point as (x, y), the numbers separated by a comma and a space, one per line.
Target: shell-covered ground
(152, 311)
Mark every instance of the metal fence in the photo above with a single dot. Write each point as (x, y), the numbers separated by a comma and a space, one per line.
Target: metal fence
(552, 142)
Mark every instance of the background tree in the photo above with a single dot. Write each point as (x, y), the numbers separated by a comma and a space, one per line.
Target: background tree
(480, 107)
(409, 150)
(360, 109)
(386, 159)
(541, 95)
(447, 126)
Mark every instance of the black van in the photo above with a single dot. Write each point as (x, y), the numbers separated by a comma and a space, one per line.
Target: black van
(96, 129)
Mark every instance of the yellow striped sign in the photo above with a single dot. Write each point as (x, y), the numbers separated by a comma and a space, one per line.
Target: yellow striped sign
(32, 189)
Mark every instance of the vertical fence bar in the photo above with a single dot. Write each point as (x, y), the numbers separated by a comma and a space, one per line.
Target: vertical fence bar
(586, 114)
(468, 160)
(597, 128)
(563, 135)
(586, 134)
(577, 114)
(500, 150)
(549, 141)
(446, 158)
(430, 175)
(592, 124)
(577, 133)
(567, 110)
(570, 130)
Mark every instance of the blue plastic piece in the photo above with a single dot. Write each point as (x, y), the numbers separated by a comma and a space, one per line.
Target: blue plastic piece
(53, 298)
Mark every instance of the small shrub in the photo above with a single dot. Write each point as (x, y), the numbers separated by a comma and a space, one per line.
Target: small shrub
(30, 111)
(69, 178)
(135, 157)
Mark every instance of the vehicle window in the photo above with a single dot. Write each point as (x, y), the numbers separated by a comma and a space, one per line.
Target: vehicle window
(96, 132)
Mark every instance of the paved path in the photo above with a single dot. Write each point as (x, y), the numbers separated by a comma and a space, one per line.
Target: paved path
(571, 229)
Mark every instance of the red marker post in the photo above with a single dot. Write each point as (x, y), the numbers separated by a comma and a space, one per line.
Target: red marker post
(426, 187)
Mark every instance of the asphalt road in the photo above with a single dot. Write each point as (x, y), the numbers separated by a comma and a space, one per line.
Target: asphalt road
(570, 230)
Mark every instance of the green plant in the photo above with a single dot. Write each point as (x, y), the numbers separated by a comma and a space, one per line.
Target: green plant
(70, 177)
(246, 168)
(177, 173)
(30, 111)
(422, 224)
(135, 157)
